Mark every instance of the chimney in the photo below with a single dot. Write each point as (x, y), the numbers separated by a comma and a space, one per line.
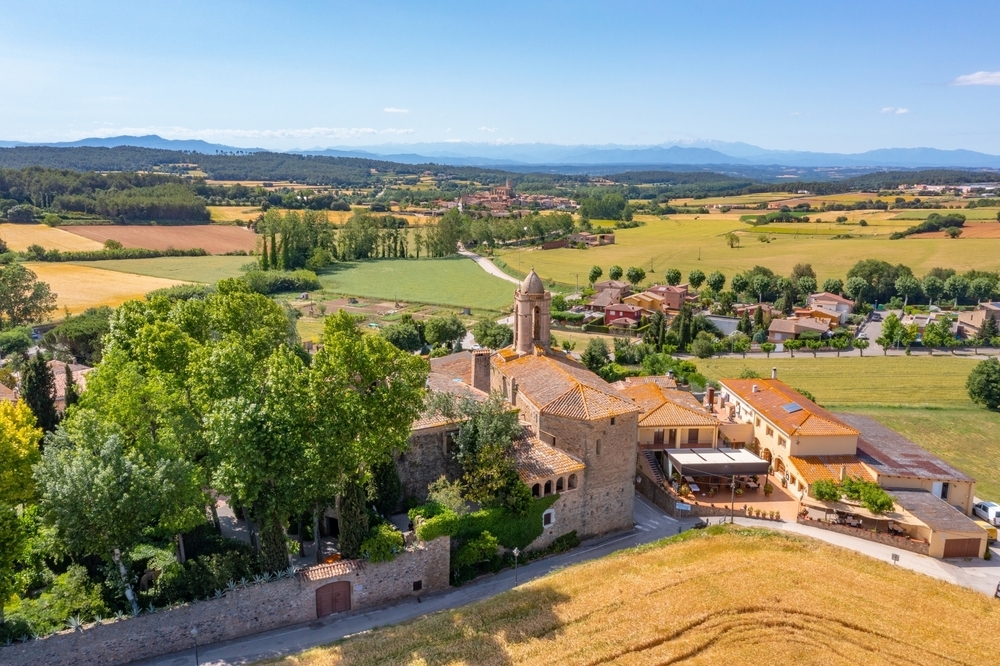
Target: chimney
(774, 373)
(843, 473)
(755, 388)
(670, 374)
(481, 370)
(710, 397)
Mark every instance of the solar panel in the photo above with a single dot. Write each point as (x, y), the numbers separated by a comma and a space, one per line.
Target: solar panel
(792, 407)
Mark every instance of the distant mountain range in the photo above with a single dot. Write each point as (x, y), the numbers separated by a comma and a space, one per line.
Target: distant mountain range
(688, 153)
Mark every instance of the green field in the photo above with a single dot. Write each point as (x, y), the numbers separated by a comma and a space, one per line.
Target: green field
(922, 397)
(452, 281)
(688, 242)
(190, 269)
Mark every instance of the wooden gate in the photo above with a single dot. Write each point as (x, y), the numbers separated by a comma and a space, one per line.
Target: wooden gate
(962, 547)
(333, 598)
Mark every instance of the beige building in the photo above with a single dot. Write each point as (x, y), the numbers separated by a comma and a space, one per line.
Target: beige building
(971, 322)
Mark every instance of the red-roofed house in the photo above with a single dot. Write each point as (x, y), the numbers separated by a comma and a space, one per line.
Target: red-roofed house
(614, 313)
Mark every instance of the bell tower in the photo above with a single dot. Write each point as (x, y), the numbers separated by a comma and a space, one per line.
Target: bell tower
(532, 315)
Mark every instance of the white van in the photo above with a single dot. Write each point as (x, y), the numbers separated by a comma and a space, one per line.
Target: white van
(988, 511)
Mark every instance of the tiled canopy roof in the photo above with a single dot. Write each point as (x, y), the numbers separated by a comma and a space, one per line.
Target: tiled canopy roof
(819, 468)
(535, 460)
(667, 407)
(772, 400)
(560, 386)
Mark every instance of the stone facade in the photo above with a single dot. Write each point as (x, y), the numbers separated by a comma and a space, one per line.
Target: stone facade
(883, 538)
(667, 501)
(427, 459)
(240, 613)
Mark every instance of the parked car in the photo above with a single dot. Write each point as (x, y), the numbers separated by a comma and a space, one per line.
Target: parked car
(988, 511)
(991, 532)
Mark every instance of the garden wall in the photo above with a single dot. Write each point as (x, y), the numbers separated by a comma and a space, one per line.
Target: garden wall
(243, 612)
(655, 493)
(883, 538)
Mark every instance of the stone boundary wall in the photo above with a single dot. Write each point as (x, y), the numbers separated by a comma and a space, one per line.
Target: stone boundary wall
(243, 612)
(885, 539)
(655, 493)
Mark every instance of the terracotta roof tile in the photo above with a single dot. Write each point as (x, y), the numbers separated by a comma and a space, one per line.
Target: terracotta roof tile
(450, 374)
(817, 468)
(667, 407)
(558, 385)
(323, 571)
(537, 460)
(772, 398)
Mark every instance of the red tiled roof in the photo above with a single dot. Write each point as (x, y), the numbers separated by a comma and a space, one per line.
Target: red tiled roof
(773, 396)
(449, 374)
(323, 571)
(817, 468)
(536, 460)
(668, 407)
(827, 296)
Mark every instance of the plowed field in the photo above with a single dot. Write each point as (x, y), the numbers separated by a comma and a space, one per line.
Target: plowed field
(214, 239)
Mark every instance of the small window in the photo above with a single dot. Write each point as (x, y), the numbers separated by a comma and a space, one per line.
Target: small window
(559, 484)
(548, 487)
(536, 490)
(782, 441)
(612, 420)
(418, 585)
(758, 421)
(770, 431)
(548, 518)
(450, 438)
(572, 481)
(598, 447)
(944, 491)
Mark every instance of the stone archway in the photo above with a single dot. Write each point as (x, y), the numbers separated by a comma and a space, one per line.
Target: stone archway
(779, 467)
(766, 455)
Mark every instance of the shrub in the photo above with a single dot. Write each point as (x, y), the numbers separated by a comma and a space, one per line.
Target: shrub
(983, 384)
(272, 282)
(510, 530)
(825, 490)
(181, 292)
(474, 551)
(383, 543)
(32, 253)
(71, 594)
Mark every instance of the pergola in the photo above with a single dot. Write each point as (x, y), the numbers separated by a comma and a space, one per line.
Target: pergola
(715, 462)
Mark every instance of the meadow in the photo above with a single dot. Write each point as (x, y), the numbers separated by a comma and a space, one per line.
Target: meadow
(691, 242)
(186, 269)
(79, 287)
(451, 281)
(715, 596)
(214, 239)
(922, 397)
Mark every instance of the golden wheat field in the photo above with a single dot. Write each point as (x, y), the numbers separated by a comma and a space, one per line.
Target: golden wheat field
(19, 236)
(719, 596)
(81, 287)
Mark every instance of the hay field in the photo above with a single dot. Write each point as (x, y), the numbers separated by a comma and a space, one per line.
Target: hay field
(19, 236)
(185, 269)
(724, 595)
(969, 213)
(450, 281)
(678, 242)
(922, 397)
(79, 287)
(970, 230)
(214, 239)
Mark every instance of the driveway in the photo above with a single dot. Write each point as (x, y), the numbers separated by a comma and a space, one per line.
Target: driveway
(651, 524)
(488, 266)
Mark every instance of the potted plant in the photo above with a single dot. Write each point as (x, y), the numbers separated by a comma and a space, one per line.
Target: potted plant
(685, 490)
(768, 489)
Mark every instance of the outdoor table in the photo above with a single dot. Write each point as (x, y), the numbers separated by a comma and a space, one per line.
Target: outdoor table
(751, 484)
(694, 488)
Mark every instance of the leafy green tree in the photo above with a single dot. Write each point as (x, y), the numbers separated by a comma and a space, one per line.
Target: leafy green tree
(81, 336)
(759, 284)
(615, 272)
(696, 278)
(635, 275)
(673, 277)
(792, 345)
(353, 519)
(826, 491)
(596, 355)
(745, 325)
(742, 345)
(933, 287)
(982, 288)
(403, 335)
(858, 289)
(19, 439)
(12, 536)
(23, 298)
(861, 345)
(957, 287)
(595, 274)
(833, 286)
(444, 330)
(732, 240)
(492, 335)
(815, 345)
(908, 287)
(38, 389)
(768, 347)
(740, 283)
(983, 384)
(15, 341)
(989, 330)
(807, 284)
(387, 488)
(703, 346)
(839, 344)
(879, 276)
(72, 392)
(716, 281)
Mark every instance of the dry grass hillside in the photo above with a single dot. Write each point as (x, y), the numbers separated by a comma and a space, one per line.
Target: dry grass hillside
(719, 596)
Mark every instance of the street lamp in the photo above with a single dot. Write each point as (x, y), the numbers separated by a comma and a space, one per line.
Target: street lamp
(516, 554)
(194, 635)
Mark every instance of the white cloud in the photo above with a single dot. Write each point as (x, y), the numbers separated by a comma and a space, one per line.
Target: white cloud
(898, 110)
(978, 79)
(392, 109)
(487, 129)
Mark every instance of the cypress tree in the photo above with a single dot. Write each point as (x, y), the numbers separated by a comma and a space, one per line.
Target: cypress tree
(72, 394)
(286, 263)
(38, 389)
(989, 329)
(387, 486)
(265, 264)
(745, 326)
(353, 520)
(274, 252)
(758, 317)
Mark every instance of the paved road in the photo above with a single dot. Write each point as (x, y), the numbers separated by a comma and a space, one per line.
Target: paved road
(488, 266)
(651, 524)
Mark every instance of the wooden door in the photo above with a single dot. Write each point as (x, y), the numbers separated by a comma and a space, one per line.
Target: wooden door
(657, 438)
(333, 598)
(962, 547)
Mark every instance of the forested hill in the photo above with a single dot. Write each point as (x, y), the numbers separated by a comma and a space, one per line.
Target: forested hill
(308, 169)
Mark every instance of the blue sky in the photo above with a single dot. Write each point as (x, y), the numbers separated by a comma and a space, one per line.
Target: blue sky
(834, 76)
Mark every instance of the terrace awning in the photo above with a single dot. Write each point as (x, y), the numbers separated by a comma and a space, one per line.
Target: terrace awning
(715, 462)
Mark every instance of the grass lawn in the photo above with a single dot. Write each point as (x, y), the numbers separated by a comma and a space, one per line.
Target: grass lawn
(717, 596)
(688, 242)
(189, 269)
(453, 281)
(924, 398)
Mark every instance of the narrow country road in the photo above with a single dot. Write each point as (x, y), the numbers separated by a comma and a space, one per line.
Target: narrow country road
(488, 266)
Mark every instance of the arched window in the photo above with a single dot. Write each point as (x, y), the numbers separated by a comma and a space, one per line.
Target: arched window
(537, 327)
(559, 485)
(536, 490)
(572, 481)
(548, 487)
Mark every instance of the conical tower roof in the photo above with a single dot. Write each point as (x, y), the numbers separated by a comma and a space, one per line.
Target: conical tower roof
(532, 284)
